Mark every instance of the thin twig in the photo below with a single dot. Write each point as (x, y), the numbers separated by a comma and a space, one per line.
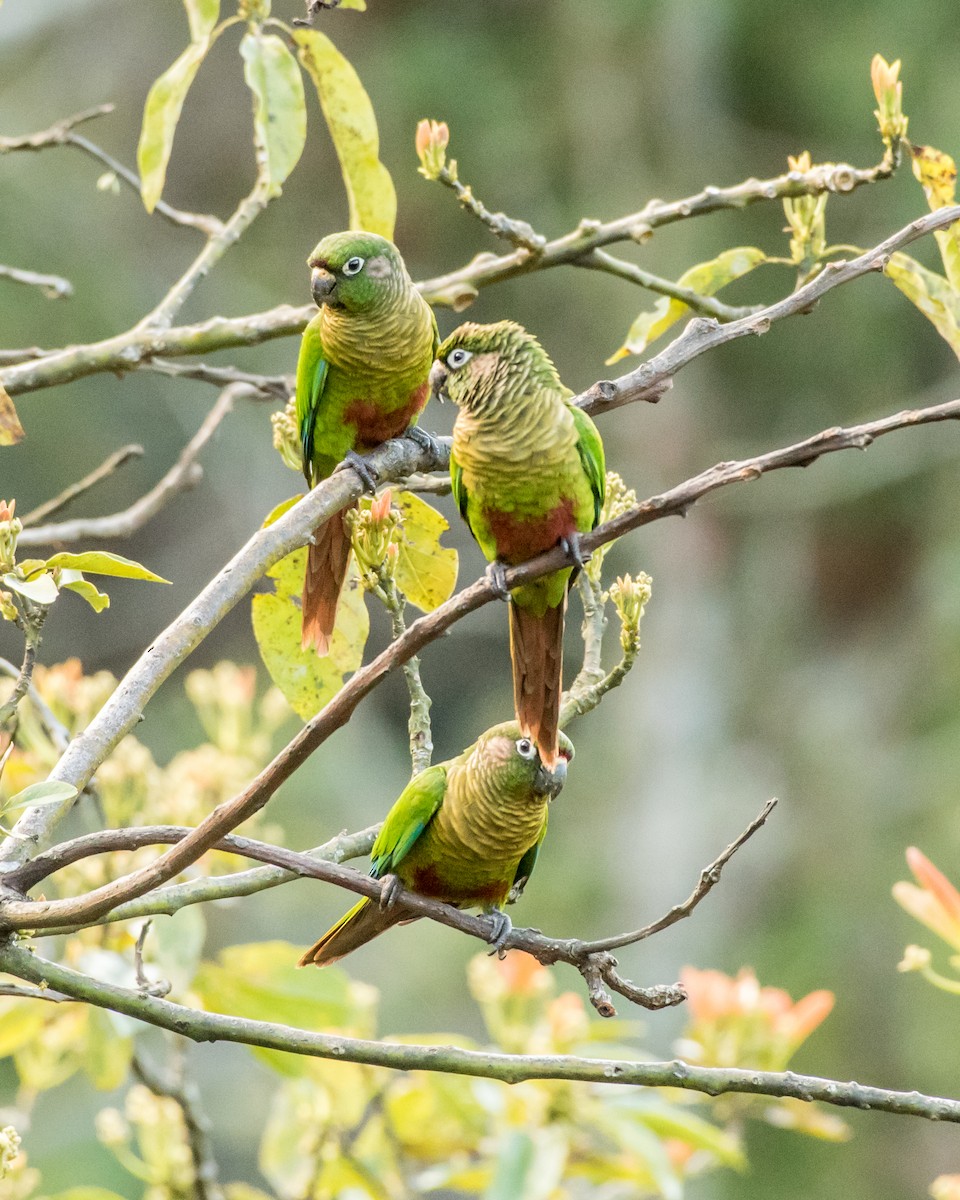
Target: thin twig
(706, 306)
(17, 992)
(55, 287)
(518, 233)
(510, 1068)
(55, 728)
(418, 724)
(9, 707)
(111, 463)
(184, 474)
(280, 386)
(184, 1093)
(709, 877)
(62, 134)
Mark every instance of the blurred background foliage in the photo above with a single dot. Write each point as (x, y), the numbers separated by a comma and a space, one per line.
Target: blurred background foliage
(803, 636)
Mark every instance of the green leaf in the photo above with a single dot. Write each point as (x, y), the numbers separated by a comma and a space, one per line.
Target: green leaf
(261, 981)
(686, 1126)
(21, 1021)
(306, 680)
(101, 562)
(86, 1193)
(287, 1156)
(426, 571)
(42, 589)
(279, 107)
(202, 15)
(50, 791)
(160, 116)
(107, 1056)
(706, 278)
(353, 127)
(97, 600)
(932, 295)
(513, 1167)
(11, 431)
(178, 944)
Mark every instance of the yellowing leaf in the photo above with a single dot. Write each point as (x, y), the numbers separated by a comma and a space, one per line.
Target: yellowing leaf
(21, 1021)
(306, 680)
(107, 1055)
(706, 279)
(426, 571)
(937, 173)
(97, 600)
(11, 431)
(102, 562)
(202, 15)
(160, 116)
(279, 107)
(931, 293)
(353, 127)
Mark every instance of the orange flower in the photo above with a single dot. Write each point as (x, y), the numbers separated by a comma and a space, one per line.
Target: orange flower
(380, 506)
(738, 1022)
(889, 93)
(432, 140)
(521, 973)
(935, 903)
(7, 510)
(946, 1187)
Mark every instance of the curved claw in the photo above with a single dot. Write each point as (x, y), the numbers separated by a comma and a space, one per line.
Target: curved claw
(368, 476)
(497, 574)
(499, 935)
(389, 891)
(423, 439)
(571, 548)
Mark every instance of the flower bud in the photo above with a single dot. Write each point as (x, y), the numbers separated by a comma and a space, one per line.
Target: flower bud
(10, 530)
(915, 958)
(888, 90)
(431, 142)
(630, 597)
(286, 436)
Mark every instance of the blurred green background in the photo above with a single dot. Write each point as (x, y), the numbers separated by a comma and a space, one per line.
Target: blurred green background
(802, 640)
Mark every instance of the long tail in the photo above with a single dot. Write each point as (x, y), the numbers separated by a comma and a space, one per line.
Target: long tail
(536, 650)
(360, 925)
(326, 570)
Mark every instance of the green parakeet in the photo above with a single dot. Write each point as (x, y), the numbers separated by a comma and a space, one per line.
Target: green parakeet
(467, 832)
(528, 474)
(361, 379)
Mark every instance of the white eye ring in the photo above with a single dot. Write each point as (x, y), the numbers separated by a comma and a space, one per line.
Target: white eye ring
(459, 357)
(353, 266)
(526, 748)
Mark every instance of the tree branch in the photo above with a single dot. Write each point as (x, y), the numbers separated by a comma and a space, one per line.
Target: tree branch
(55, 287)
(184, 474)
(22, 685)
(111, 463)
(707, 306)
(713, 1081)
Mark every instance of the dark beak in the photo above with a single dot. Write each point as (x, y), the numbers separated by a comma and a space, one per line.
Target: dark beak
(438, 377)
(322, 284)
(549, 781)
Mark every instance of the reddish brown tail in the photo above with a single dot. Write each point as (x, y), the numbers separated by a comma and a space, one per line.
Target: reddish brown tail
(536, 648)
(360, 925)
(327, 558)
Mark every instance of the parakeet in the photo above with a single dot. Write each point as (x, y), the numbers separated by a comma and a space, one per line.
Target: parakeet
(528, 474)
(361, 379)
(467, 831)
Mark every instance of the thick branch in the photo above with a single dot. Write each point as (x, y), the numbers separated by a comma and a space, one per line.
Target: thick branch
(713, 1081)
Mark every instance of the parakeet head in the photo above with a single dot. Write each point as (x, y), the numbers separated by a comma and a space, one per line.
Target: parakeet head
(513, 764)
(479, 367)
(356, 271)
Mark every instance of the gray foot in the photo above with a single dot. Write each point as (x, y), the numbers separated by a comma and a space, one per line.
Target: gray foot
(497, 574)
(571, 548)
(423, 439)
(389, 891)
(368, 476)
(502, 928)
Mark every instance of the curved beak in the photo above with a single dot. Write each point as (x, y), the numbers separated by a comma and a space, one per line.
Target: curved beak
(438, 377)
(322, 283)
(549, 780)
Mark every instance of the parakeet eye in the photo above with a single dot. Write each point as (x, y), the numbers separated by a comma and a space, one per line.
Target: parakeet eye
(526, 748)
(457, 358)
(353, 265)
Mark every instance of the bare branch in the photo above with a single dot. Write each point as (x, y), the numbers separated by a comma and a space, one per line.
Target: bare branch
(20, 688)
(55, 287)
(111, 463)
(706, 306)
(185, 473)
(62, 134)
(519, 233)
(713, 1081)
(280, 386)
(56, 730)
(709, 877)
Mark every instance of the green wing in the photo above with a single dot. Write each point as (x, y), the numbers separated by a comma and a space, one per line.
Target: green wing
(409, 817)
(590, 449)
(312, 370)
(527, 863)
(459, 490)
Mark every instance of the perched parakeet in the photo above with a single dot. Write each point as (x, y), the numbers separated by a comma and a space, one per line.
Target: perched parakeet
(467, 832)
(361, 379)
(528, 474)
